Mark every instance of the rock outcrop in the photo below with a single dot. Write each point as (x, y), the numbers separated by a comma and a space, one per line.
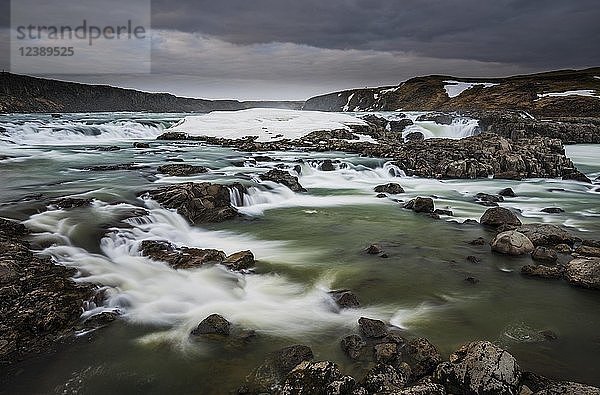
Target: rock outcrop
(283, 177)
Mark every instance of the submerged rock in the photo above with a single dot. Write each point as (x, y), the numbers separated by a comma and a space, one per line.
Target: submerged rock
(499, 216)
(138, 144)
(480, 368)
(214, 324)
(283, 177)
(512, 243)
(198, 202)
(584, 273)
(391, 188)
(181, 170)
(345, 298)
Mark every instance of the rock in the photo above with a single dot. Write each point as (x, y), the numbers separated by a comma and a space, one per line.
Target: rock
(309, 378)
(507, 192)
(487, 199)
(440, 211)
(345, 385)
(478, 241)
(108, 148)
(372, 328)
(327, 165)
(499, 216)
(428, 388)
(480, 368)
(473, 259)
(373, 249)
(345, 298)
(100, 320)
(391, 188)
(584, 272)
(549, 272)
(181, 170)
(180, 258)
(272, 372)
(352, 345)
(115, 167)
(420, 205)
(512, 243)
(546, 235)
(283, 177)
(553, 210)
(381, 195)
(398, 126)
(214, 324)
(588, 251)
(384, 379)
(471, 280)
(439, 118)
(567, 387)
(138, 144)
(414, 136)
(562, 248)
(544, 254)
(385, 352)
(69, 202)
(422, 357)
(242, 260)
(198, 202)
(576, 175)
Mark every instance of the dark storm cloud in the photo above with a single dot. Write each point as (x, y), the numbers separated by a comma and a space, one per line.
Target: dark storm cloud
(550, 33)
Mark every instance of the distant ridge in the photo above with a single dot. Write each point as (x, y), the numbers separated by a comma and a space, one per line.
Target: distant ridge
(25, 94)
(537, 94)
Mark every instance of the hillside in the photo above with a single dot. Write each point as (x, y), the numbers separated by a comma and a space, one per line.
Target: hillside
(552, 94)
(24, 94)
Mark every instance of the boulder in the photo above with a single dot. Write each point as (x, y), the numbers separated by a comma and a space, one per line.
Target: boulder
(374, 249)
(488, 200)
(180, 258)
(284, 178)
(544, 254)
(420, 205)
(345, 298)
(414, 136)
(345, 385)
(385, 352)
(584, 272)
(241, 260)
(440, 211)
(138, 144)
(391, 188)
(421, 356)
(384, 379)
(309, 378)
(327, 165)
(512, 243)
(549, 272)
(352, 346)
(480, 368)
(423, 388)
(499, 216)
(214, 324)
(546, 234)
(372, 328)
(181, 170)
(552, 210)
(507, 192)
(588, 251)
(198, 202)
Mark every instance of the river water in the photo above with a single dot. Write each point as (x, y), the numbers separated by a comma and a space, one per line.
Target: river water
(306, 244)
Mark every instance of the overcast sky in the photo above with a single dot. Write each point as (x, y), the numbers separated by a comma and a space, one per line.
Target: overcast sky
(281, 49)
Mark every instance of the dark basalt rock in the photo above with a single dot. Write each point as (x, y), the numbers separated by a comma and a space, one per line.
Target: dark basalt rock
(242, 260)
(69, 202)
(553, 210)
(181, 170)
(312, 378)
(544, 254)
(414, 137)
(398, 126)
(198, 202)
(422, 357)
(391, 188)
(372, 328)
(115, 167)
(499, 216)
(507, 192)
(214, 324)
(345, 298)
(180, 258)
(283, 177)
(40, 304)
(480, 368)
(385, 379)
(138, 144)
(541, 271)
(487, 199)
(420, 205)
(327, 165)
(352, 346)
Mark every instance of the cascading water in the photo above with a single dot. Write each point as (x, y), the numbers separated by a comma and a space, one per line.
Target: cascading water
(459, 128)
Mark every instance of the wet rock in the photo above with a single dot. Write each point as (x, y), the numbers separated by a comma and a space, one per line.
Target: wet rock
(100, 320)
(283, 177)
(242, 260)
(470, 221)
(271, 373)
(576, 175)
(180, 258)
(381, 195)
(198, 202)
(181, 170)
(512, 243)
(391, 188)
(345, 298)
(567, 387)
(420, 205)
(562, 248)
(421, 356)
(499, 216)
(384, 379)
(426, 388)
(345, 385)
(552, 210)
(352, 345)
(115, 167)
(138, 144)
(108, 148)
(374, 249)
(372, 328)
(542, 271)
(546, 235)
(439, 118)
(398, 126)
(327, 165)
(214, 324)
(507, 192)
(471, 280)
(588, 251)
(478, 241)
(473, 259)
(480, 368)
(544, 254)
(69, 202)
(310, 378)
(415, 137)
(584, 272)
(440, 211)
(385, 352)
(488, 200)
